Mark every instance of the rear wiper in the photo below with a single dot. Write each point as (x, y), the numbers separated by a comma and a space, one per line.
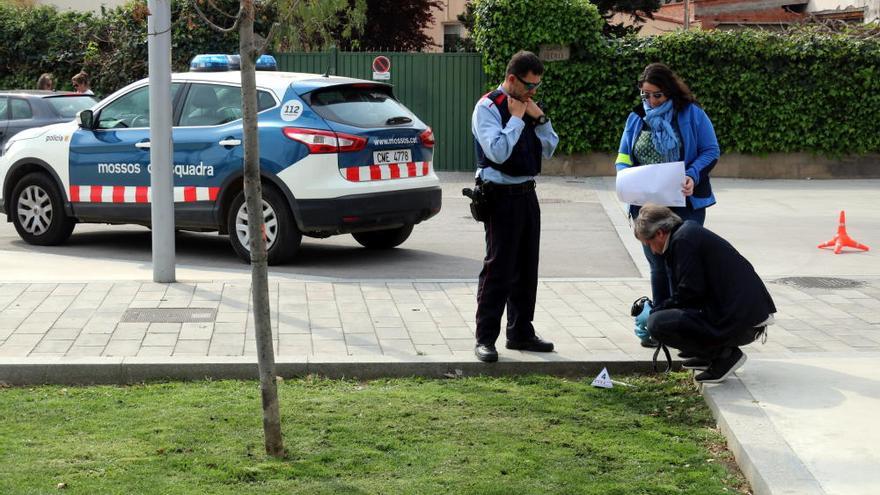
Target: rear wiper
(398, 120)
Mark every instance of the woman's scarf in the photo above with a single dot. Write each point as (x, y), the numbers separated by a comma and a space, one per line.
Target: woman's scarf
(662, 134)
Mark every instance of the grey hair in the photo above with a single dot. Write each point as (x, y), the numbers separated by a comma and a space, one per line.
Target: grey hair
(653, 218)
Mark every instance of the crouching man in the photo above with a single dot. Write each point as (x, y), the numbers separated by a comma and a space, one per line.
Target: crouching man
(718, 302)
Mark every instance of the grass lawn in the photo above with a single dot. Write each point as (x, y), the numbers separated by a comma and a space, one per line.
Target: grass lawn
(516, 435)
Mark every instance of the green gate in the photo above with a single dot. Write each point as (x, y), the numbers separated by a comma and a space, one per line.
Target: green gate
(441, 88)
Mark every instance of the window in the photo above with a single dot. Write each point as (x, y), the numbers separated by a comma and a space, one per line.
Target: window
(451, 37)
(4, 103)
(214, 104)
(68, 106)
(20, 109)
(361, 106)
(130, 110)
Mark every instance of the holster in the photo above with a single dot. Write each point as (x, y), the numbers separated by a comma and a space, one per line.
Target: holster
(479, 200)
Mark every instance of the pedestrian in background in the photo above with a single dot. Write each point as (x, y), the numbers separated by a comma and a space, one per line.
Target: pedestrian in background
(669, 126)
(81, 83)
(46, 82)
(718, 301)
(511, 136)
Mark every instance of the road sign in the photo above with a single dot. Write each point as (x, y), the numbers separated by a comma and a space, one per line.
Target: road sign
(381, 68)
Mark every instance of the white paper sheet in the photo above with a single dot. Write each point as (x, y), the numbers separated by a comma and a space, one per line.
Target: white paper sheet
(659, 183)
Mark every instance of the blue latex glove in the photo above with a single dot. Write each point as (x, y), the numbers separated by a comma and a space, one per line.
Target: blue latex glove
(641, 329)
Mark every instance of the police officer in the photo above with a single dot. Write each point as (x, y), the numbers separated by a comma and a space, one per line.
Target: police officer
(511, 135)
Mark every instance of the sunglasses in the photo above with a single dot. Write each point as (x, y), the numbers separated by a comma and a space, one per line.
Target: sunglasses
(656, 95)
(529, 86)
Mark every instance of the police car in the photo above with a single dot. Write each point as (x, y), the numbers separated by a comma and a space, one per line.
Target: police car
(337, 155)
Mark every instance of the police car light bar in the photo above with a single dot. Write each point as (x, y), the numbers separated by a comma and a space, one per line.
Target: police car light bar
(222, 63)
(267, 62)
(209, 63)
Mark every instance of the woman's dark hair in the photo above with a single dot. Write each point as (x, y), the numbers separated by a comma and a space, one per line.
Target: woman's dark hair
(672, 86)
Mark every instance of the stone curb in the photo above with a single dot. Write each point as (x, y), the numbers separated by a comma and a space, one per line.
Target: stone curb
(765, 458)
(67, 371)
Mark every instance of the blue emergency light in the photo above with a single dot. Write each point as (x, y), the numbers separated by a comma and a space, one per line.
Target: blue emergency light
(267, 62)
(222, 63)
(209, 63)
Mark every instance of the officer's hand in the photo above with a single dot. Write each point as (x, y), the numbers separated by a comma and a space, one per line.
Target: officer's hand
(688, 187)
(516, 107)
(533, 110)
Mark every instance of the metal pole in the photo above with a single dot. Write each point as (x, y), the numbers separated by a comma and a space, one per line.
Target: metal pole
(161, 149)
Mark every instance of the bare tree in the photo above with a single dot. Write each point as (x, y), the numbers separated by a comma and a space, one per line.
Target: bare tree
(250, 47)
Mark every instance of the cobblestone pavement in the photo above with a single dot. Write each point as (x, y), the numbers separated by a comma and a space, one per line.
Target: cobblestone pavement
(404, 320)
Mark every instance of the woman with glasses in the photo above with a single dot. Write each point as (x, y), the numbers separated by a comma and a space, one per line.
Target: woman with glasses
(669, 126)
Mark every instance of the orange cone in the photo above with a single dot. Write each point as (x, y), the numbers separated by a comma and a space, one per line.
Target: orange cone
(842, 239)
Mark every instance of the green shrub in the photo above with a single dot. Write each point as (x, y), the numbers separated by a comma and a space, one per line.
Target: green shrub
(765, 92)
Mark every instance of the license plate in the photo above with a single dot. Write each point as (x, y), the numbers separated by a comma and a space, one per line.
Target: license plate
(391, 156)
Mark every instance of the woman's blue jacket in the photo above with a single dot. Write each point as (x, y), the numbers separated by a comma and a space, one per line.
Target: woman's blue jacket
(699, 144)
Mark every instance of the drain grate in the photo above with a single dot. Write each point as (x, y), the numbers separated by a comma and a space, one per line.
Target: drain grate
(820, 282)
(169, 315)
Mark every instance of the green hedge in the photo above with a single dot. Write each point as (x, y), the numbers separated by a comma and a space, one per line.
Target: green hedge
(111, 47)
(765, 92)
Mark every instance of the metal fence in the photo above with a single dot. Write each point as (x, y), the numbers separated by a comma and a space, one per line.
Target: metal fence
(441, 88)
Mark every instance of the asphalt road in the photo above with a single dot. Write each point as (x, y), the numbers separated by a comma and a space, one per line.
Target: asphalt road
(578, 241)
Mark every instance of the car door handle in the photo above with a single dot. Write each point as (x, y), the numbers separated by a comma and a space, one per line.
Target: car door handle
(230, 142)
(144, 145)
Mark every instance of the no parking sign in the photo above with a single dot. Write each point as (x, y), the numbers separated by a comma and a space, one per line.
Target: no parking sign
(381, 68)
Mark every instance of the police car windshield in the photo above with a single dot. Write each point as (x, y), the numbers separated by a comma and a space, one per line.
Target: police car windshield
(359, 106)
(67, 106)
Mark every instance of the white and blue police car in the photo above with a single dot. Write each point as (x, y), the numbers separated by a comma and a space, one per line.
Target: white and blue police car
(337, 156)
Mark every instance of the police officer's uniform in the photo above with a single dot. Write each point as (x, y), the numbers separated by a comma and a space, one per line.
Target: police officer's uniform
(509, 152)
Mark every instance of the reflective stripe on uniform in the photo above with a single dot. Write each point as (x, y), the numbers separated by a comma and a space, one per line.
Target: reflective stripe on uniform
(624, 159)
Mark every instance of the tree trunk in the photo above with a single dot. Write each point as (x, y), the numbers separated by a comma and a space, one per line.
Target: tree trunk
(256, 231)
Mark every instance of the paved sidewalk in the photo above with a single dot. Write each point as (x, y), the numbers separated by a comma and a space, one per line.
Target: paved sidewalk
(798, 416)
(430, 322)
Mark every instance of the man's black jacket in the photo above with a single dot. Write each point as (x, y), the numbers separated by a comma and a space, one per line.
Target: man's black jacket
(709, 275)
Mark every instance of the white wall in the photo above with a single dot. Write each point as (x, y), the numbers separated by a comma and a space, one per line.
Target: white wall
(872, 7)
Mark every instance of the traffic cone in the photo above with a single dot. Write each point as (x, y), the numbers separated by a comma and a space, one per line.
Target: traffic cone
(842, 239)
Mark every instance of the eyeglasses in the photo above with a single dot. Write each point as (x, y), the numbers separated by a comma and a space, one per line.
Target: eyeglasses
(656, 95)
(529, 86)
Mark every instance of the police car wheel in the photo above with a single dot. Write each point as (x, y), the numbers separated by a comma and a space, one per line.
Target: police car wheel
(282, 236)
(38, 211)
(383, 239)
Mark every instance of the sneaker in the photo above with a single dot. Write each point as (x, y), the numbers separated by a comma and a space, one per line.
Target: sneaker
(696, 363)
(722, 367)
(650, 343)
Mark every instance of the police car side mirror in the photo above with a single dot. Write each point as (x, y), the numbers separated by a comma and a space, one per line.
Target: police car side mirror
(85, 119)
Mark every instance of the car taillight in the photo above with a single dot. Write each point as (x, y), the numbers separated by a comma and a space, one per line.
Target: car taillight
(320, 141)
(427, 137)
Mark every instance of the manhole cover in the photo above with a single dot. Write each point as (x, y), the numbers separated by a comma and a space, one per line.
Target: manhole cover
(820, 282)
(169, 315)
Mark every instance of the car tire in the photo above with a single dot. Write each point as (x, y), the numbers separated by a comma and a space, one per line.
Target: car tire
(383, 239)
(282, 234)
(37, 211)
